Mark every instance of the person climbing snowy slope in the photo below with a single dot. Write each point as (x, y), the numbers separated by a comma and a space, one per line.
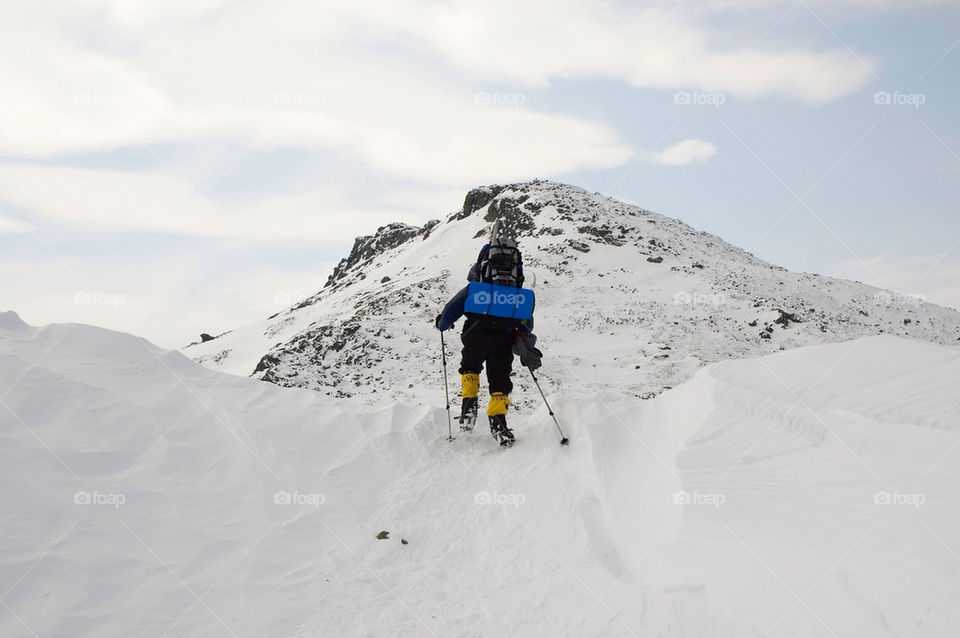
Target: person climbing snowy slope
(499, 324)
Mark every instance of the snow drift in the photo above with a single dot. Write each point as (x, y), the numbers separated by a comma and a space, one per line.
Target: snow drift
(803, 493)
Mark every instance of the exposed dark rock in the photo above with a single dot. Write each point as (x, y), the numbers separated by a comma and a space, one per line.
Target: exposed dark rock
(369, 246)
(786, 318)
(477, 199)
(546, 230)
(514, 220)
(533, 207)
(655, 260)
(204, 337)
(266, 362)
(603, 233)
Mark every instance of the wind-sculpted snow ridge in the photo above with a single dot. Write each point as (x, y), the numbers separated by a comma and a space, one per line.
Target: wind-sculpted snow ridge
(627, 300)
(806, 493)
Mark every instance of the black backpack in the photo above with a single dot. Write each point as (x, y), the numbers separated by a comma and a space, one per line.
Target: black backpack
(501, 263)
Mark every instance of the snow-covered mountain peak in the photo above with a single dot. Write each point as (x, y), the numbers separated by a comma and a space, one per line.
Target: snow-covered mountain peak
(627, 300)
(546, 215)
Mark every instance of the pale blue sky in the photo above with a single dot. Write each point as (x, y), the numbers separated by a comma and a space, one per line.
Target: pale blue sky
(167, 171)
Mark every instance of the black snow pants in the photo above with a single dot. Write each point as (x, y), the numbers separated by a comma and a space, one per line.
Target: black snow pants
(493, 347)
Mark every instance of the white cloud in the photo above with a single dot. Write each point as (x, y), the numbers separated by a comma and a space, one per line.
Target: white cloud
(685, 152)
(158, 300)
(118, 200)
(10, 225)
(644, 47)
(162, 78)
(352, 78)
(433, 203)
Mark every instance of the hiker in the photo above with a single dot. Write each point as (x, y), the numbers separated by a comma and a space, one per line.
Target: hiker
(490, 338)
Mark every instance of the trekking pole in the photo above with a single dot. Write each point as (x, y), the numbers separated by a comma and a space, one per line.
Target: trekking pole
(446, 389)
(563, 439)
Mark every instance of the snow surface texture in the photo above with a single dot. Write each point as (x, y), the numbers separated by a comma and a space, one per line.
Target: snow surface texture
(812, 492)
(627, 300)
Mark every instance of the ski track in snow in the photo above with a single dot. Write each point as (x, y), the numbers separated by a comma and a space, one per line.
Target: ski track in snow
(775, 462)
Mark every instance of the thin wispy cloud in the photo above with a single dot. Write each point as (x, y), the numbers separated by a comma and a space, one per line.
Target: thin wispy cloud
(107, 200)
(685, 152)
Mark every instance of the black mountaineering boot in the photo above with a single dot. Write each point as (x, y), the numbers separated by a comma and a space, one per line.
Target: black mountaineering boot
(500, 431)
(468, 413)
